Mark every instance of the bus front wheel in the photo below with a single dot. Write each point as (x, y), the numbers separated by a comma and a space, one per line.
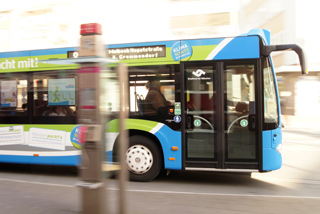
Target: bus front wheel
(143, 159)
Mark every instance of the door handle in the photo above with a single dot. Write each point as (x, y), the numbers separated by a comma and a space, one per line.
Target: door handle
(252, 126)
(189, 122)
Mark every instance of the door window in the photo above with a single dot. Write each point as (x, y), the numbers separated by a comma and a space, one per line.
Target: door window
(200, 105)
(239, 103)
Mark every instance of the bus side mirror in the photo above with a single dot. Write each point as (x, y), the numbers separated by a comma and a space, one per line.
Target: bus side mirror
(267, 49)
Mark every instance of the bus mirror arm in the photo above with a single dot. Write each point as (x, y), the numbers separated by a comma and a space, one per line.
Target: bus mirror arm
(296, 48)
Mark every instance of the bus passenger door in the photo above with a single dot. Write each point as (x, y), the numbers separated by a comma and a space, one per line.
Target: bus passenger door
(219, 98)
(200, 135)
(241, 121)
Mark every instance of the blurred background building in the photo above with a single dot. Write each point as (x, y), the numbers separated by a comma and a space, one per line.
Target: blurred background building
(290, 21)
(204, 18)
(35, 24)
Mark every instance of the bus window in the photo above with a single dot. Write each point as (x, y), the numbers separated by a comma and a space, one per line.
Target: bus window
(52, 89)
(40, 95)
(200, 94)
(14, 96)
(240, 83)
(109, 94)
(271, 115)
(151, 88)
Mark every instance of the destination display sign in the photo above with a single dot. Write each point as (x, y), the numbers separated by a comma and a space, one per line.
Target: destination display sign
(141, 52)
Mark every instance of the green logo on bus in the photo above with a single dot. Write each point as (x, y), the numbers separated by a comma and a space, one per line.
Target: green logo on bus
(244, 123)
(197, 123)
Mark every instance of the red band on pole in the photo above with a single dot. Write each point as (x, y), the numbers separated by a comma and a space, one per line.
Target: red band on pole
(91, 29)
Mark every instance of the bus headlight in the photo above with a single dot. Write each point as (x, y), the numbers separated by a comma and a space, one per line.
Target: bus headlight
(279, 148)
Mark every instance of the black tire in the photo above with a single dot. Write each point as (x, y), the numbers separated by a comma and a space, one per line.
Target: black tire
(143, 159)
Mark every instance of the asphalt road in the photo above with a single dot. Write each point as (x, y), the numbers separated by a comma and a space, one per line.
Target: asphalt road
(295, 188)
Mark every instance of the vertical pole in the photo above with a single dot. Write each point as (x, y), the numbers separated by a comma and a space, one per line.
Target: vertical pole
(219, 116)
(93, 152)
(124, 107)
(89, 114)
(259, 97)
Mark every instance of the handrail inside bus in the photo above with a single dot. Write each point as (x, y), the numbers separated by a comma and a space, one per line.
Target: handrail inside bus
(296, 48)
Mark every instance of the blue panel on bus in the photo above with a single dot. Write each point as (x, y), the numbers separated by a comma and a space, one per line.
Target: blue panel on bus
(271, 158)
(266, 139)
(169, 138)
(203, 42)
(262, 33)
(14, 54)
(238, 48)
(52, 160)
(276, 138)
(109, 156)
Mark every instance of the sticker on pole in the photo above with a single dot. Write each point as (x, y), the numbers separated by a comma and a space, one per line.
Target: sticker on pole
(244, 123)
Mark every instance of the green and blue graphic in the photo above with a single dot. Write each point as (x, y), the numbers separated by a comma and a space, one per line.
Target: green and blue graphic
(61, 92)
(75, 137)
(181, 50)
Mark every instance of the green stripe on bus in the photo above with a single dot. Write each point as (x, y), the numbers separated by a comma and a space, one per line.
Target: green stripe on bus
(143, 125)
(59, 127)
(32, 63)
(201, 52)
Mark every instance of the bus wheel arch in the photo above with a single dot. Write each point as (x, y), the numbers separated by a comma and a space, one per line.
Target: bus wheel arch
(145, 152)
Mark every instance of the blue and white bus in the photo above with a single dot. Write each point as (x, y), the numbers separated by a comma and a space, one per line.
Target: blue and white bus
(219, 106)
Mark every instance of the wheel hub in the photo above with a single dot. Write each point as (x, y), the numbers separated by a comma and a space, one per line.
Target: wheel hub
(139, 159)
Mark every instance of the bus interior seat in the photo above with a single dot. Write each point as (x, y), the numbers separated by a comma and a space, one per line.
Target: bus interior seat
(141, 102)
